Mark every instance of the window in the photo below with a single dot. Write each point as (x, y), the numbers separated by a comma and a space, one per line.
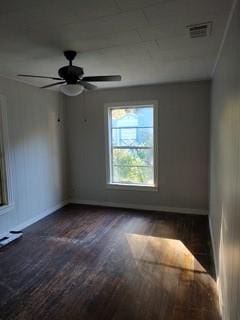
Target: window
(6, 202)
(132, 145)
(1, 181)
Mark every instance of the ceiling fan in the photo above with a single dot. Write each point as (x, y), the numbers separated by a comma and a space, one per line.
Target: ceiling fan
(71, 77)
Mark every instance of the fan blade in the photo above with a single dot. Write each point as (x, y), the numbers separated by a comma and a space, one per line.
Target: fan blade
(102, 78)
(87, 85)
(54, 84)
(42, 77)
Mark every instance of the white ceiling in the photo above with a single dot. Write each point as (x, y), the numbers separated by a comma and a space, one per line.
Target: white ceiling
(146, 41)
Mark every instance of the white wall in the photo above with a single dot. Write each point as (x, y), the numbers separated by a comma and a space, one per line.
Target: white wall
(183, 146)
(225, 169)
(36, 150)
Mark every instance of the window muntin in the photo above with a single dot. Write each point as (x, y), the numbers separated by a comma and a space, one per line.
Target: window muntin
(131, 145)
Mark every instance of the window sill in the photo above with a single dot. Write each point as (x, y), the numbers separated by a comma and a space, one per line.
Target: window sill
(6, 207)
(133, 187)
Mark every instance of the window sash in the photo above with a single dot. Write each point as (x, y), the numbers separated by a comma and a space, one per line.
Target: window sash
(112, 147)
(131, 147)
(135, 166)
(133, 127)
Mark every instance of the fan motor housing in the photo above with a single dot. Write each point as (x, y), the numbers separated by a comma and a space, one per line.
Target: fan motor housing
(71, 73)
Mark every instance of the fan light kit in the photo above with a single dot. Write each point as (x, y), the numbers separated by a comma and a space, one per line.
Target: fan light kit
(71, 77)
(71, 89)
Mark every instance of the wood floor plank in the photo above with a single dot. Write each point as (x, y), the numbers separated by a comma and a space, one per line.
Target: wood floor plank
(92, 263)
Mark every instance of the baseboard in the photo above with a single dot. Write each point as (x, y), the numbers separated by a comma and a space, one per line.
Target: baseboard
(40, 216)
(139, 206)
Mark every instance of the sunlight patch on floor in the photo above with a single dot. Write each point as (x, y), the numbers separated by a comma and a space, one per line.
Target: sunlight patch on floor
(171, 267)
(169, 253)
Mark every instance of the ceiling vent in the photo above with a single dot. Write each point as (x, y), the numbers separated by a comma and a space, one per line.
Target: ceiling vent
(200, 30)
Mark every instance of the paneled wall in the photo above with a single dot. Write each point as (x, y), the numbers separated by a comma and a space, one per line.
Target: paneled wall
(183, 136)
(225, 169)
(37, 151)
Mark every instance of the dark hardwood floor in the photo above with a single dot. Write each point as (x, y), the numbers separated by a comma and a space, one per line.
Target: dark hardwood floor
(95, 263)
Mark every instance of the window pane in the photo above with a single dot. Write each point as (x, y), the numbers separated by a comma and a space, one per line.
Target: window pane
(1, 170)
(132, 157)
(132, 137)
(1, 187)
(132, 117)
(133, 175)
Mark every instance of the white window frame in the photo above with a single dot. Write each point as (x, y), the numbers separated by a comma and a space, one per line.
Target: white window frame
(5, 159)
(131, 104)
